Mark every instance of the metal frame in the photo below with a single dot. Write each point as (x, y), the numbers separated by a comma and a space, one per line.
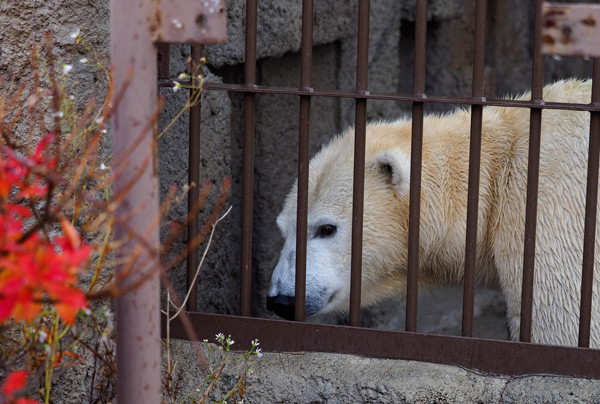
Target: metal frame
(503, 357)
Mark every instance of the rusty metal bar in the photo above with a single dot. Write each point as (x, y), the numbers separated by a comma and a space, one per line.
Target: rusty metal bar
(164, 61)
(248, 159)
(474, 169)
(303, 158)
(591, 207)
(360, 124)
(194, 183)
(490, 356)
(294, 91)
(416, 153)
(533, 166)
(138, 314)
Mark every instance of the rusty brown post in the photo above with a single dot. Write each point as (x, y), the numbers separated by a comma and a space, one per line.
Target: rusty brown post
(474, 170)
(137, 312)
(533, 168)
(303, 159)
(248, 159)
(194, 183)
(360, 133)
(416, 151)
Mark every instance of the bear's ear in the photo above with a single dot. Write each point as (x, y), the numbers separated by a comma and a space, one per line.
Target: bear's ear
(394, 165)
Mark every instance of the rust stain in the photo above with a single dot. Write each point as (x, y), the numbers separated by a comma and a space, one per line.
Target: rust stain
(548, 40)
(549, 23)
(589, 22)
(155, 22)
(555, 11)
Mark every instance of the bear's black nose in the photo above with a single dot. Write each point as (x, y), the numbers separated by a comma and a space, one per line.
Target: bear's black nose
(281, 305)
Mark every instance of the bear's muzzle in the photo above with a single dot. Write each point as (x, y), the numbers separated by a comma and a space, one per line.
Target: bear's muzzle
(281, 305)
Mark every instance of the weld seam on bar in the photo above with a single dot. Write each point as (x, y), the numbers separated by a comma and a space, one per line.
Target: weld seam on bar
(416, 155)
(589, 233)
(360, 123)
(194, 184)
(533, 165)
(248, 159)
(474, 170)
(303, 160)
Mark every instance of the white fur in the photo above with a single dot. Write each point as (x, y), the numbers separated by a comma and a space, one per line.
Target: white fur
(500, 233)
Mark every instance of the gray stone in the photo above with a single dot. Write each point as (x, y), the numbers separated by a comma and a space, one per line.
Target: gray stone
(335, 378)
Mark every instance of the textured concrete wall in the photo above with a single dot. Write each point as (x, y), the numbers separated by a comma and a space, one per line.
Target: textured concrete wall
(449, 58)
(304, 377)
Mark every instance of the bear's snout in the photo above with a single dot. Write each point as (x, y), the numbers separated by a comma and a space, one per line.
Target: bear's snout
(281, 305)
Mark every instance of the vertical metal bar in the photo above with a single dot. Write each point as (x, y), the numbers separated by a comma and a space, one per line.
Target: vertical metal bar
(589, 238)
(163, 58)
(474, 170)
(138, 314)
(533, 165)
(416, 151)
(360, 124)
(303, 158)
(248, 159)
(193, 182)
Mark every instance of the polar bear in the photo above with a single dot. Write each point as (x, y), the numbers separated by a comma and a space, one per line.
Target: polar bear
(500, 233)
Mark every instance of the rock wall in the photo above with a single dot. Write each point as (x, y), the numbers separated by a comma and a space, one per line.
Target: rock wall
(305, 377)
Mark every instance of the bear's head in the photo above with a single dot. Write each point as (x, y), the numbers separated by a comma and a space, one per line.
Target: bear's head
(385, 224)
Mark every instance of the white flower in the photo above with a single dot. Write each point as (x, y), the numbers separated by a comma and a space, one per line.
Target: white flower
(59, 114)
(176, 85)
(84, 60)
(104, 131)
(42, 337)
(103, 167)
(71, 97)
(99, 120)
(220, 337)
(183, 76)
(87, 311)
(258, 352)
(67, 69)
(75, 34)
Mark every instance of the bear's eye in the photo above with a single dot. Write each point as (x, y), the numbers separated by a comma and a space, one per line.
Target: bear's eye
(326, 230)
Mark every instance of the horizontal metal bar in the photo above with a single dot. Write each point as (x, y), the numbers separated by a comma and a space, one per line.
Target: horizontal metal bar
(490, 356)
(496, 102)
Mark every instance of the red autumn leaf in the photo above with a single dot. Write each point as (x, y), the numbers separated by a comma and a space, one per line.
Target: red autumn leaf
(71, 233)
(14, 382)
(38, 155)
(35, 269)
